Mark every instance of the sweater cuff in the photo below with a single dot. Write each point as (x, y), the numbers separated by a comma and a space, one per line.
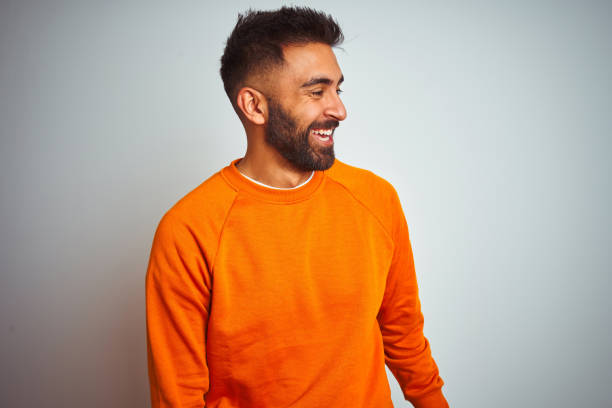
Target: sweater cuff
(434, 399)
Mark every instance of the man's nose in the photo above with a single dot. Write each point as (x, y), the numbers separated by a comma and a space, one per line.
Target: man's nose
(336, 108)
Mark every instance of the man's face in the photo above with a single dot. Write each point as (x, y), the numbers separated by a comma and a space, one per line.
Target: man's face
(306, 107)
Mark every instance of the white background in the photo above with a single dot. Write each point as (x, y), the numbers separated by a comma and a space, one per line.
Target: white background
(491, 119)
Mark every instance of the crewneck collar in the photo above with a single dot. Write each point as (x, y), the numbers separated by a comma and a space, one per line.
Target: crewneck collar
(278, 188)
(241, 183)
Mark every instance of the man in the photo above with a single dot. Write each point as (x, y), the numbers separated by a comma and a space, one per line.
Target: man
(286, 279)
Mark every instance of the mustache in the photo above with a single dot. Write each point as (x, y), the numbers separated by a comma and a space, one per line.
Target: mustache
(328, 124)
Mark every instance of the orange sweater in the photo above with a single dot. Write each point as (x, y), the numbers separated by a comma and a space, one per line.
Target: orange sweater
(258, 297)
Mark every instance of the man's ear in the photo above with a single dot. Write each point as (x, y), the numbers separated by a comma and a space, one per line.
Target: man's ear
(253, 105)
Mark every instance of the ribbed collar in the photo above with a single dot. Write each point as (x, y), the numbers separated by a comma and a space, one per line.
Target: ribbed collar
(232, 175)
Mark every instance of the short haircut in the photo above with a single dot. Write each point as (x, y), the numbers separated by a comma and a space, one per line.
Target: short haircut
(256, 43)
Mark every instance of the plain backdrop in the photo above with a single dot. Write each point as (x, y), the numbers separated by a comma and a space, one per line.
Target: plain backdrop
(491, 119)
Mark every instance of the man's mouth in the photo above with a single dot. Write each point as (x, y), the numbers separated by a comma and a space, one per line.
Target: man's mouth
(325, 136)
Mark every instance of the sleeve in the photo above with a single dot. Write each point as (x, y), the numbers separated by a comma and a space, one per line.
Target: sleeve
(177, 308)
(407, 351)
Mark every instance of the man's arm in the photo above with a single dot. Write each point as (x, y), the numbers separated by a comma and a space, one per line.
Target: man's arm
(177, 298)
(407, 351)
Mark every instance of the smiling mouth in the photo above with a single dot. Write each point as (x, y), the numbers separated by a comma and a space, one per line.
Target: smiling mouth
(324, 135)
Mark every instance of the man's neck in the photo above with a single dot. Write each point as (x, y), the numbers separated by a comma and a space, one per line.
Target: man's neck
(272, 170)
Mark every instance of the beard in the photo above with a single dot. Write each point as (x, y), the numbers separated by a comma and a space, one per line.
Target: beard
(283, 133)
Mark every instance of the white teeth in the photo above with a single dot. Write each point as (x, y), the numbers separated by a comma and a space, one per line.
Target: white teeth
(325, 139)
(323, 132)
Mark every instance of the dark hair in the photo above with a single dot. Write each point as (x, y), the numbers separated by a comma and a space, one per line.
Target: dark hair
(256, 43)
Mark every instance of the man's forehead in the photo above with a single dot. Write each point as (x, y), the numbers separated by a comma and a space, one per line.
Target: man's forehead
(311, 63)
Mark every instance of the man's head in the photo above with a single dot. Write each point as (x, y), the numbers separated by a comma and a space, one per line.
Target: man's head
(281, 75)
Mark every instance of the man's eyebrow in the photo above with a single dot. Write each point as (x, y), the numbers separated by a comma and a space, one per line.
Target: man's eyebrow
(321, 80)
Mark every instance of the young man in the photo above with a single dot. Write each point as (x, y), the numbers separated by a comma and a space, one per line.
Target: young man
(286, 279)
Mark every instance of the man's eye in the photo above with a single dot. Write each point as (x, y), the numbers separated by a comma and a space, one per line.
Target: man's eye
(317, 93)
(339, 91)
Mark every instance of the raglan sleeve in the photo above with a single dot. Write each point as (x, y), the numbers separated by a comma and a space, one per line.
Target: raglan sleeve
(407, 351)
(177, 307)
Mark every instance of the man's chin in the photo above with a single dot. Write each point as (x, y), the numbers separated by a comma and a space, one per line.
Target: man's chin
(314, 163)
(324, 162)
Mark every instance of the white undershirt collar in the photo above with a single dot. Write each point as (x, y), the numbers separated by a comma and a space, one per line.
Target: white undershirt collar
(277, 188)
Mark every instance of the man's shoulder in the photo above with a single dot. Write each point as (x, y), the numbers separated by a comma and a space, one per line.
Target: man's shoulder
(210, 199)
(373, 191)
(196, 221)
(358, 180)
